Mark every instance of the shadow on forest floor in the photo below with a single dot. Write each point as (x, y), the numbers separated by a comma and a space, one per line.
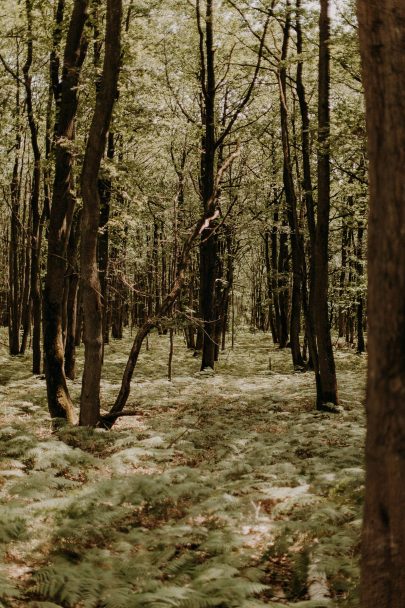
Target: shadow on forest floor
(226, 490)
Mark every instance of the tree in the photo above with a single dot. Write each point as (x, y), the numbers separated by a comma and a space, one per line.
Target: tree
(382, 38)
(61, 216)
(90, 282)
(327, 385)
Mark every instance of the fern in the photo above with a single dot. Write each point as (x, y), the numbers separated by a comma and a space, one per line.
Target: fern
(12, 527)
(8, 589)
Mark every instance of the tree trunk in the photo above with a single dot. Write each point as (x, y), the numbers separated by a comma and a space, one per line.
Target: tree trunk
(35, 291)
(283, 285)
(14, 272)
(382, 39)
(327, 385)
(297, 251)
(63, 203)
(104, 188)
(308, 298)
(270, 294)
(72, 287)
(360, 300)
(208, 246)
(90, 282)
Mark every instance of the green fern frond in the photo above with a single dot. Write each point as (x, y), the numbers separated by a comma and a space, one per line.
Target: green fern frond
(11, 527)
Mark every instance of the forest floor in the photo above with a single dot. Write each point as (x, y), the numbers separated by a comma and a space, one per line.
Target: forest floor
(225, 490)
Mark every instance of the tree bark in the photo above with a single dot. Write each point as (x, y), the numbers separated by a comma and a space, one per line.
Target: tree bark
(360, 300)
(382, 40)
(63, 203)
(297, 251)
(327, 385)
(72, 288)
(105, 189)
(208, 246)
(15, 236)
(35, 291)
(90, 281)
(308, 298)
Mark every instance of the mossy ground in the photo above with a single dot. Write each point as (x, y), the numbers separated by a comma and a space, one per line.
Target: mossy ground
(225, 490)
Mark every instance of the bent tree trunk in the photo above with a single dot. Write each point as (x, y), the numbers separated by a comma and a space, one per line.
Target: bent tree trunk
(90, 281)
(60, 222)
(202, 225)
(382, 38)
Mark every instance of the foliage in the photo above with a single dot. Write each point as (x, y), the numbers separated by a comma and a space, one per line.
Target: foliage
(220, 493)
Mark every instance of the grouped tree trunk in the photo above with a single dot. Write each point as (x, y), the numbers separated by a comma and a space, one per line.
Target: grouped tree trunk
(382, 39)
(90, 281)
(61, 215)
(327, 384)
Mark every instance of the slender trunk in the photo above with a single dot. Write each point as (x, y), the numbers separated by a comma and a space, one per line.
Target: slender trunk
(90, 282)
(104, 188)
(282, 285)
(274, 276)
(72, 287)
(308, 298)
(35, 291)
(14, 271)
(208, 246)
(297, 252)
(270, 294)
(360, 300)
(327, 386)
(342, 279)
(26, 302)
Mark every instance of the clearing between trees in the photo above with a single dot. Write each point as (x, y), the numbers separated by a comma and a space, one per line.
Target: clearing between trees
(225, 489)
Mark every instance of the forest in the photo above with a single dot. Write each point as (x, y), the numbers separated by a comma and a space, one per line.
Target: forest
(202, 303)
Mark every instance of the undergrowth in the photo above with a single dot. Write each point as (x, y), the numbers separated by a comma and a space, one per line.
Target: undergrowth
(223, 491)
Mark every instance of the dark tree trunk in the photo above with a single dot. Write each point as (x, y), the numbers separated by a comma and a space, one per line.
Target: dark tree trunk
(382, 39)
(274, 276)
(360, 300)
(104, 188)
(342, 280)
(35, 290)
(283, 285)
(297, 252)
(14, 270)
(26, 301)
(208, 246)
(308, 298)
(90, 282)
(327, 385)
(71, 287)
(63, 203)
(270, 294)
